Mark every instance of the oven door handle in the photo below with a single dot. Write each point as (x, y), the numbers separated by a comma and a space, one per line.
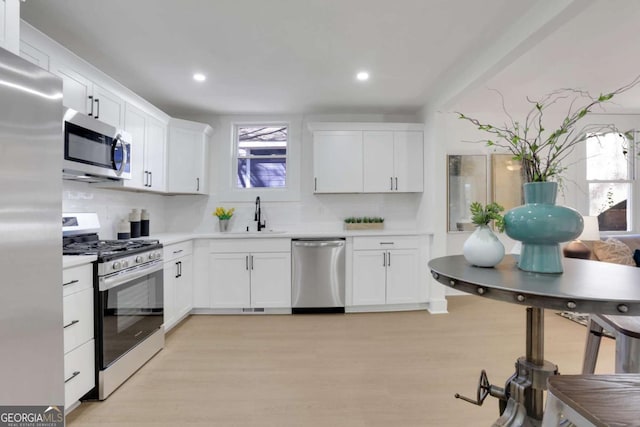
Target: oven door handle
(121, 278)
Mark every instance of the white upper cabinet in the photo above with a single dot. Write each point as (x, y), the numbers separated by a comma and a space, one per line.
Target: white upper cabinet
(83, 95)
(10, 25)
(34, 55)
(148, 142)
(188, 152)
(393, 161)
(337, 161)
(367, 157)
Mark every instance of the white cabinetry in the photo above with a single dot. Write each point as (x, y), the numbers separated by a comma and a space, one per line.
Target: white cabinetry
(178, 282)
(188, 150)
(393, 161)
(386, 270)
(34, 55)
(250, 273)
(10, 25)
(83, 95)
(79, 345)
(148, 140)
(337, 161)
(367, 157)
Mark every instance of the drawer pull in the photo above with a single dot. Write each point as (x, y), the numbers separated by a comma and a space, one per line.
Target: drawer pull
(75, 374)
(70, 283)
(177, 252)
(387, 243)
(73, 322)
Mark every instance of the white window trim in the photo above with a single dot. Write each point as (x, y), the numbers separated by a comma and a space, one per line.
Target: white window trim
(227, 188)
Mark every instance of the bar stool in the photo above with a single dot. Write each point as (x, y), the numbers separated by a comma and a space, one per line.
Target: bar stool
(626, 330)
(592, 400)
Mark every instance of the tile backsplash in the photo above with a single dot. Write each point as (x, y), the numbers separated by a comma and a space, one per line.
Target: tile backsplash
(112, 205)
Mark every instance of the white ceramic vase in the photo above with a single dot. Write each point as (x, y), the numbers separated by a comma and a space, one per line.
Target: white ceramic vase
(483, 248)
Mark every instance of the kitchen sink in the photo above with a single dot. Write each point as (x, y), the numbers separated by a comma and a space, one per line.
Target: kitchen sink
(256, 233)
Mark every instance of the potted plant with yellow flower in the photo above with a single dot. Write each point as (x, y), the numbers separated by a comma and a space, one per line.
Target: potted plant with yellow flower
(224, 216)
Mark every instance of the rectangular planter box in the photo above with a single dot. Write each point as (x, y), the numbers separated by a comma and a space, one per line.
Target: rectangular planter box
(364, 226)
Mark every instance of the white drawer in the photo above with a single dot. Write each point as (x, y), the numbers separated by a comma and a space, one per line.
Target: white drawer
(79, 372)
(78, 319)
(250, 245)
(177, 250)
(76, 279)
(386, 242)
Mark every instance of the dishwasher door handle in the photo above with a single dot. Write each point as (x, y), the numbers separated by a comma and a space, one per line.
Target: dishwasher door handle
(319, 244)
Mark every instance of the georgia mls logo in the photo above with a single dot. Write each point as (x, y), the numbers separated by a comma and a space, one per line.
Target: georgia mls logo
(31, 416)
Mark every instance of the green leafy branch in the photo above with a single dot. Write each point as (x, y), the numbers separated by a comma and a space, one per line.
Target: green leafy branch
(484, 215)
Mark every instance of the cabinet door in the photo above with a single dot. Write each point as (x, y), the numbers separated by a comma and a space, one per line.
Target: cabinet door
(135, 124)
(230, 280)
(183, 158)
(34, 55)
(76, 88)
(154, 154)
(337, 161)
(403, 281)
(169, 298)
(10, 25)
(369, 277)
(378, 161)
(108, 107)
(408, 161)
(270, 279)
(184, 286)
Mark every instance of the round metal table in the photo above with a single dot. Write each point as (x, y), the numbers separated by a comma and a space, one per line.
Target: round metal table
(585, 286)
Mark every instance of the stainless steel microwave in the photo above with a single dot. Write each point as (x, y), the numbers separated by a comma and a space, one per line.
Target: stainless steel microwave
(93, 150)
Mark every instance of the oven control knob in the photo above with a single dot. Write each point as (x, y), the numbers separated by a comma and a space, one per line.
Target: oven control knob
(116, 265)
(139, 259)
(125, 264)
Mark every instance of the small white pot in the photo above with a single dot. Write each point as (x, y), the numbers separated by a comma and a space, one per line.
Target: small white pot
(483, 248)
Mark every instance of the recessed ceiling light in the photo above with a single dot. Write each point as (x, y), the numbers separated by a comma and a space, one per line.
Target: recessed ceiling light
(362, 76)
(199, 77)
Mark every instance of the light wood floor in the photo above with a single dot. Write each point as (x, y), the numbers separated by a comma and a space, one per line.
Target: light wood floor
(374, 369)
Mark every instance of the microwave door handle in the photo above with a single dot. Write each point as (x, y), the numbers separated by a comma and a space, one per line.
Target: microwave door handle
(123, 164)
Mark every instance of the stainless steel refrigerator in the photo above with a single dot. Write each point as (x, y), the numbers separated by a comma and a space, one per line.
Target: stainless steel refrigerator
(31, 144)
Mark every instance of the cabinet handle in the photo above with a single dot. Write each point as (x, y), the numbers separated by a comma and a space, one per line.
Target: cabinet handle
(91, 112)
(396, 183)
(73, 322)
(315, 184)
(391, 184)
(98, 109)
(252, 262)
(150, 179)
(177, 252)
(75, 374)
(246, 262)
(386, 243)
(384, 259)
(389, 259)
(70, 283)
(197, 184)
(177, 269)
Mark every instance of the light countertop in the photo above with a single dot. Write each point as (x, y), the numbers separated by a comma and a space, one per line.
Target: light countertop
(69, 261)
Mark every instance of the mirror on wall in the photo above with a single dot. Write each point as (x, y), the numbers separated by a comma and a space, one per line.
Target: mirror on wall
(506, 180)
(467, 183)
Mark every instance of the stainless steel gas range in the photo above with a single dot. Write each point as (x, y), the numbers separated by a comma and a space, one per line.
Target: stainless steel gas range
(128, 300)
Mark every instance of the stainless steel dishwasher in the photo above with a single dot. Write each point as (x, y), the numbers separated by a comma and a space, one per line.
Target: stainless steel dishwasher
(318, 275)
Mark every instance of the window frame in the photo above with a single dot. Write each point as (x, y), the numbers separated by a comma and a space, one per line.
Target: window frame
(237, 157)
(632, 164)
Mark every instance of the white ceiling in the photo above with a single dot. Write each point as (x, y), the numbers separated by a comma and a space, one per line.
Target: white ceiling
(301, 56)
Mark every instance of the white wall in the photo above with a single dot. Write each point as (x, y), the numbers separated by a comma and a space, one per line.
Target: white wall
(302, 211)
(112, 205)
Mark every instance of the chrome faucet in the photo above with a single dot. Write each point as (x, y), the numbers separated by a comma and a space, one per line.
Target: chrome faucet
(258, 215)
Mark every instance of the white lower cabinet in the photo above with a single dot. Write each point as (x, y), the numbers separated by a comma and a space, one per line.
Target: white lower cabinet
(178, 283)
(79, 344)
(250, 273)
(386, 271)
